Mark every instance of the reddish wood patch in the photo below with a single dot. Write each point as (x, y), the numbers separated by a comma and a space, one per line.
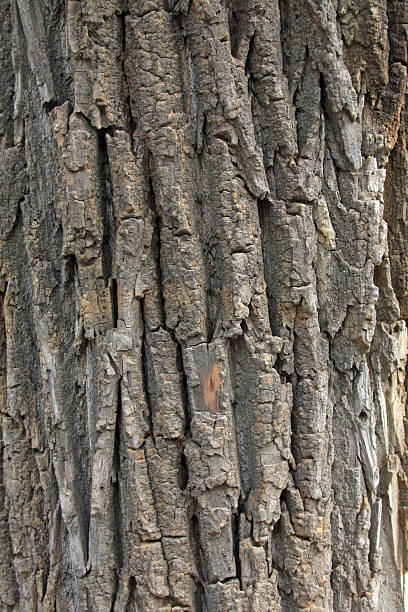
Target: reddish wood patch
(210, 383)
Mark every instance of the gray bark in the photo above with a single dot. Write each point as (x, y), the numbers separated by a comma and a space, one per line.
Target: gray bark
(203, 290)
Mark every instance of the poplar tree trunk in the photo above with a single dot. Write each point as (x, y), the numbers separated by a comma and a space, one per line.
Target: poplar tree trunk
(203, 291)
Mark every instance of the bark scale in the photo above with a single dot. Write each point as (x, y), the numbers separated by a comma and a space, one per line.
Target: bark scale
(203, 288)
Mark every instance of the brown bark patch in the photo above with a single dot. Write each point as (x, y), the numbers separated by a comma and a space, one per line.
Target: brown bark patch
(210, 384)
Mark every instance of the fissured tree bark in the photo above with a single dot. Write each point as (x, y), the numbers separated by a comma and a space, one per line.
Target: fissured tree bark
(204, 287)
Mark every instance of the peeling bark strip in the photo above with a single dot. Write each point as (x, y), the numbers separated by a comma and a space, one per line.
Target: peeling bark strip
(203, 304)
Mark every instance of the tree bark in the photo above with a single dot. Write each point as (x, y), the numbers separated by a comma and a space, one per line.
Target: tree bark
(203, 290)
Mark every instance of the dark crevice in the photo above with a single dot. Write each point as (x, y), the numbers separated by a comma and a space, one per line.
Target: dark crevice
(145, 376)
(114, 301)
(236, 540)
(184, 389)
(295, 442)
(234, 30)
(207, 233)
(17, 217)
(57, 246)
(278, 562)
(200, 599)
(199, 125)
(323, 99)
(45, 579)
(152, 197)
(286, 41)
(243, 415)
(113, 364)
(132, 124)
(183, 472)
(303, 118)
(300, 82)
(55, 25)
(122, 20)
(50, 105)
(69, 293)
(155, 245)
(249, 55)
(195, 533)
(156, 249)
(184, 475)
(117, 506)
(132, 594)
(187, 75)
(395, 189)
(194, 110)
(200, 140)
(107, 208)
(263, 215)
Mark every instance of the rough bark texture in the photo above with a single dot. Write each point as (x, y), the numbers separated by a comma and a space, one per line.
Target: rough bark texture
(203, 290)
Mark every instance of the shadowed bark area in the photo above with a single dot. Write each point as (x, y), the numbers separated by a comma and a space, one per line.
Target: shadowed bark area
(203, 304)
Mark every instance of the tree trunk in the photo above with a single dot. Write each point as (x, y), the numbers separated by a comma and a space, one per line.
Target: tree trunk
(203, 290)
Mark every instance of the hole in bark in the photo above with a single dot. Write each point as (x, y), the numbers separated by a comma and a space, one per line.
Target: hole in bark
(363, 416)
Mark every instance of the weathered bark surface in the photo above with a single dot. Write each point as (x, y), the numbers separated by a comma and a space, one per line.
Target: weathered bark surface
(203, 289)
